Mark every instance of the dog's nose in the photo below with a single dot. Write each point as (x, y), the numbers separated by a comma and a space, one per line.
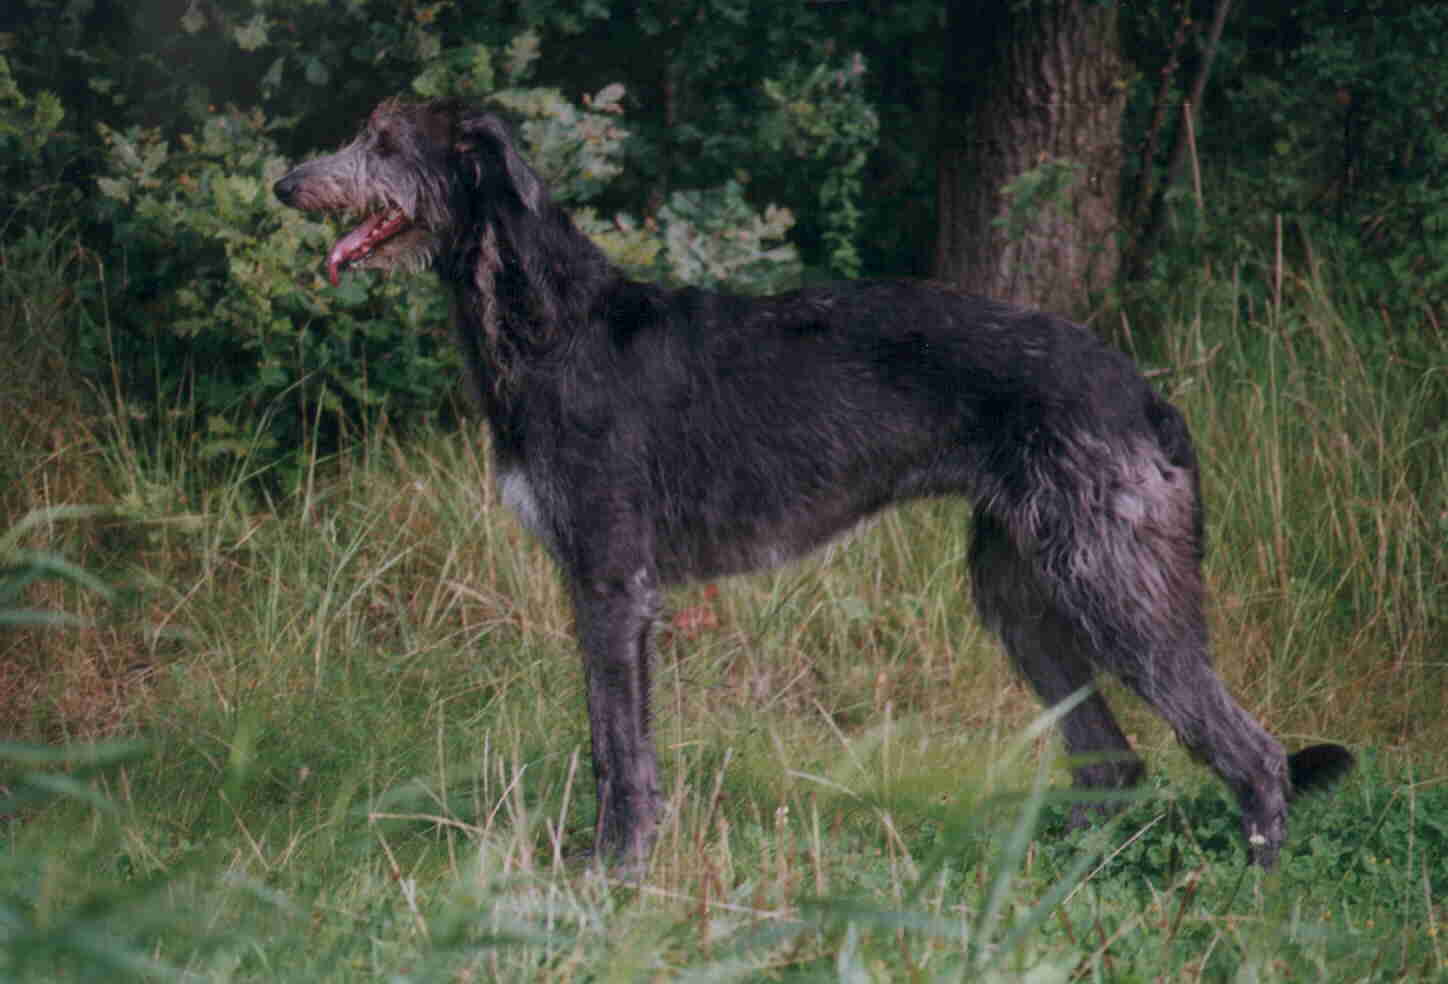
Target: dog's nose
(284, 189)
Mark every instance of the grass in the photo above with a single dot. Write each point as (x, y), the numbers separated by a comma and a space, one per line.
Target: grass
(338, 735)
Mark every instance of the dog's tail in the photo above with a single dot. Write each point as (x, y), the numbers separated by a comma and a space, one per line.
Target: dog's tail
(1317, 767)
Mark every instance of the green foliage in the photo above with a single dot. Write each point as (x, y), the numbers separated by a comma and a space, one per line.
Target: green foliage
(576, 149)
(61, 921)
(710, 237)
(714, 238)
(1047, 186)
(54, 918)
(22, 566)
(1329, 117)
(26, 123)
(823, 113)
(34, 150)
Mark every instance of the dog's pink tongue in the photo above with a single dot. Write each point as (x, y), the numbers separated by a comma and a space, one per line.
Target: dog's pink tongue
(362, 240)
(351, 245)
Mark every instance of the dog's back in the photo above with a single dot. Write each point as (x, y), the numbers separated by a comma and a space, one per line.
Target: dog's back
(756, 428)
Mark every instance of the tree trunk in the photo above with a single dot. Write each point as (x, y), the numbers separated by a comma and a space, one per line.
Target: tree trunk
(1034, 90)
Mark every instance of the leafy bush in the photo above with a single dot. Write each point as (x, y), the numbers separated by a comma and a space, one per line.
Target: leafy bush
(27, 124)
(1340, 131)
(823, 114)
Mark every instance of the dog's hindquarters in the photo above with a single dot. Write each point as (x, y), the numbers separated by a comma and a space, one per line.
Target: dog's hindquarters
(1098, 567)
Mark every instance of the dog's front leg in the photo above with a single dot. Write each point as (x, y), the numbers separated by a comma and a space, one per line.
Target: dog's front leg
(615, 614)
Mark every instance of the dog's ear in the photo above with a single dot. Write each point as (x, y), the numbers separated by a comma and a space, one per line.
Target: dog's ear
(485, 140)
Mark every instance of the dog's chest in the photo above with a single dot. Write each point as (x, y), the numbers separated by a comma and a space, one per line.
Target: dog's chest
(520, 496)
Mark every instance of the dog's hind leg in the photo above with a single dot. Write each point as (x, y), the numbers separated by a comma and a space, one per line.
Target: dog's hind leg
(1175, 676)
(1120, 555)
(615, 612)
(1052, 655)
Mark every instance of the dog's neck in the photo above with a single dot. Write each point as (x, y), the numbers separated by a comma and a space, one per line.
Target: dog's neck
(522, 287)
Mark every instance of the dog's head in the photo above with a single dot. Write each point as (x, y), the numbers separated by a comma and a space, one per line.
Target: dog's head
(415, 176)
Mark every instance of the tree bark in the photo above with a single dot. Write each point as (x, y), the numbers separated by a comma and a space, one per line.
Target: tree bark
(1031, 85)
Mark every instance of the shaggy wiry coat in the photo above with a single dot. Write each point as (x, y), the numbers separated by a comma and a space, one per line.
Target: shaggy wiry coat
(649, 435)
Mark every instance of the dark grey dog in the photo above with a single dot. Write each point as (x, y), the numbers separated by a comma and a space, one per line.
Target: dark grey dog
(650, 436)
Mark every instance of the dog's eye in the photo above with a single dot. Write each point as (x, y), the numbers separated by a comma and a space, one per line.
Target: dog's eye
(386, 143)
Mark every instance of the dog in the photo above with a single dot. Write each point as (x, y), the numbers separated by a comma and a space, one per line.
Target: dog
(650, 436)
